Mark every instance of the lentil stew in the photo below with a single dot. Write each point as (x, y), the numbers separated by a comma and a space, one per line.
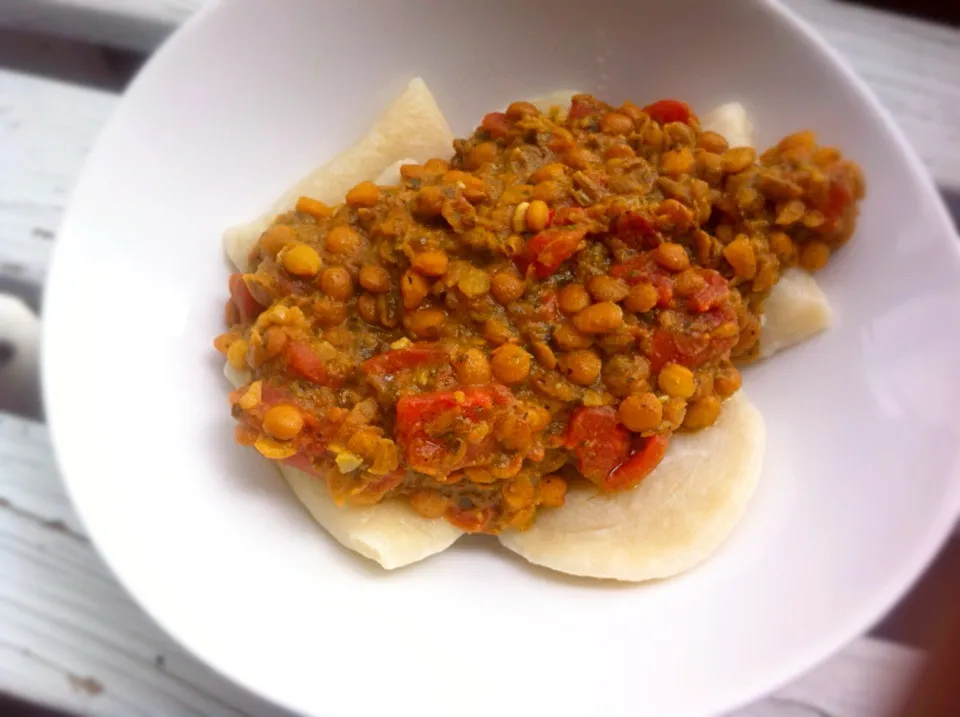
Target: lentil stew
(550, 305)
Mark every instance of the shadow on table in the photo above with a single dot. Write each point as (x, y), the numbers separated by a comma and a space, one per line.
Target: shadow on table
(11, 707)
(934, 10)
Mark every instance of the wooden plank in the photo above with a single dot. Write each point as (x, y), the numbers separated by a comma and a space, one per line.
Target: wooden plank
(19, 357)
(60, 59)
(138, 25)
(71, 636)
(912, 65)
(74, 639)
(46, 130)
(867, 679)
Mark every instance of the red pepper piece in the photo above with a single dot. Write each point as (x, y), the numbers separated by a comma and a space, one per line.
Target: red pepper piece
(597, 440)
(640, 464)
(496, 125)
(432, 454)
(551, 247)
(303, 362)
(665, 111)
(242, 298)
(713, 294)
(395, 360)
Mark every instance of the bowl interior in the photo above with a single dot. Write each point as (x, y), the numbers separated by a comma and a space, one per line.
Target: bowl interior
(858, 489)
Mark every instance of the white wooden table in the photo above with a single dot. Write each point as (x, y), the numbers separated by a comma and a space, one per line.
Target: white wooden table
(69, 635)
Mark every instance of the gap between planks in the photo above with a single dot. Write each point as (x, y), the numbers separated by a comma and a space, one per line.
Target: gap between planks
(47, 129)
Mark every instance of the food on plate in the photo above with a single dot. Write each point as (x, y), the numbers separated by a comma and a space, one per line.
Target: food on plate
(670, 522)
(538, 337)
(796, 308)
(411, 129)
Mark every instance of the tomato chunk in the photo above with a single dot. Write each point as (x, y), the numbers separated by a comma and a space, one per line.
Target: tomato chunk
(645, 271)
(635, 230)
(663, 350)
(603, 451)
(472, 520)
(566, 216)
(551, 247)
(415, 355)
(713, 294)
(597, 440)
(665, 111)
(375, 490)
(839, 199)
(242, 298)
(304, 363)
(640, 464)
(694, 348)
(583, 106)
(496, 124)
(441, 452)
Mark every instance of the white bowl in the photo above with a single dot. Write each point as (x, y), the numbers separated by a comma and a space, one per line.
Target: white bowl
(859, 489)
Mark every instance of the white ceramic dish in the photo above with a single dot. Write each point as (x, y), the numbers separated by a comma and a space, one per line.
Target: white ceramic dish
(861, 481)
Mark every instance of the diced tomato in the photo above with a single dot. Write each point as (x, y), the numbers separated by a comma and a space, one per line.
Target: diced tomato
(473, 520)
(634, 271)
(715, 291)
(303, 362)
(689, 351)
(271, 394)
(390, 362)
(231, 314)
(412, 411)
(603, 451)
(839, 199)
(565, 216)
(431, 454)
(645, 270)
(375, 490)
(664, 287)
(242, 298)
(422, 408)
(547, 306)
(663, 351)
(640, 464)
(551, 247)
(598, 441)
(583, 106)
(665, 111)
(496, 124)
(635, 229)
(692, 350)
